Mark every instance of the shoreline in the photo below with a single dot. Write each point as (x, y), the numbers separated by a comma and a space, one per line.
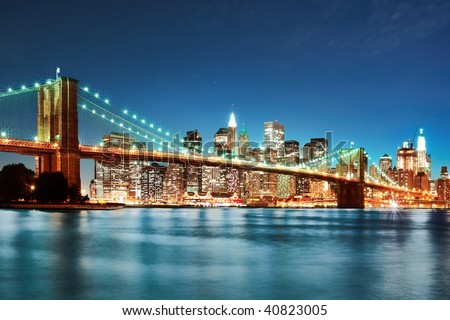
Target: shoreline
(37, 206)
(117, 206)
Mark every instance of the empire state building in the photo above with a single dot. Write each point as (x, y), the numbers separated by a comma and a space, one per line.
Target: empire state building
(423, 160)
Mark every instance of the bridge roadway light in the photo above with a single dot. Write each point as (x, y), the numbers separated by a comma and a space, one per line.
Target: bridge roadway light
(3, 134)
(36, 85)
(23, 87)
(10, 89)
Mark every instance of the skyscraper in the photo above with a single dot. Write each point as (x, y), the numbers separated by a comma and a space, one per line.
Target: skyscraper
(423, 160)
(174, 182)
(193, 142)
(113, 175)
(232, 144)
(152, 182)
(221, 142)
(443, 185)
(243, 143)
(274, 137)
(316, 148)
(385, 163)
(407, 158)
(291, 150)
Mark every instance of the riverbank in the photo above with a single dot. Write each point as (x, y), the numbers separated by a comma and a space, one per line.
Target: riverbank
(88, 206)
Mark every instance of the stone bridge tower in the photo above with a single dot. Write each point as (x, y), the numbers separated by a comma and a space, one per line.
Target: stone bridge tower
(57, 122)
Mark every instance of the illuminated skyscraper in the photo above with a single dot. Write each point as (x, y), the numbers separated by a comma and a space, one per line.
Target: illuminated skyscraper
(221, 142)
(232, 143)
(152, 182)
(443, 185)
(274, 137)
(174, 182)
(243, 143)
(118, 178)
(423, 160)
(291, 150)
(385, 163)
(193, 142)
(407, 158)
(316, 148)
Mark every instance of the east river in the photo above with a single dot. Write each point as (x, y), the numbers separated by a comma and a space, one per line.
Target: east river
(228, 253)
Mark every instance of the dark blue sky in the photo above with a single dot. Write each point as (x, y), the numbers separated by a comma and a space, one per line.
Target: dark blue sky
(370, 71)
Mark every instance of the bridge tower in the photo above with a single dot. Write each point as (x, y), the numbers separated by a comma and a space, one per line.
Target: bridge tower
(350, 194)
(57, 122)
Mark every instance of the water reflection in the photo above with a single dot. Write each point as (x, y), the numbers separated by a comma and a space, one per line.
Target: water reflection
(66, 269)
(438, 230)
(224, 254)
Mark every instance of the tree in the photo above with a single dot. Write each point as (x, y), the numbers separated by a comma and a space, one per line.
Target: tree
(51, 187)
(16, 182)
(74, 194)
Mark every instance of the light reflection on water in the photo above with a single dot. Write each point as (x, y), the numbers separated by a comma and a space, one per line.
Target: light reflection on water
(224, 254)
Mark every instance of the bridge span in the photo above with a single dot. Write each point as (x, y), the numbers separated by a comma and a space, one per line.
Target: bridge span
(57, 148)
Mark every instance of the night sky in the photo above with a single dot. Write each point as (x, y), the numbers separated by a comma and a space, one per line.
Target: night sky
(370, 71)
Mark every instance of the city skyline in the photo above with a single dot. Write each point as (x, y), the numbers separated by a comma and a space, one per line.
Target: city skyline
(369, 72)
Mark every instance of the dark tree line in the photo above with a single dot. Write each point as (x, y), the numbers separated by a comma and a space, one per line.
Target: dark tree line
(18, 183)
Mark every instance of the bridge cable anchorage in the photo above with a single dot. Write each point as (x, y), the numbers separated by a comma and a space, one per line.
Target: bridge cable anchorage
(141, 120)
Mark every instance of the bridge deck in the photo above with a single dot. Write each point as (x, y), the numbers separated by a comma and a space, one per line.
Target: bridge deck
(112, 154)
